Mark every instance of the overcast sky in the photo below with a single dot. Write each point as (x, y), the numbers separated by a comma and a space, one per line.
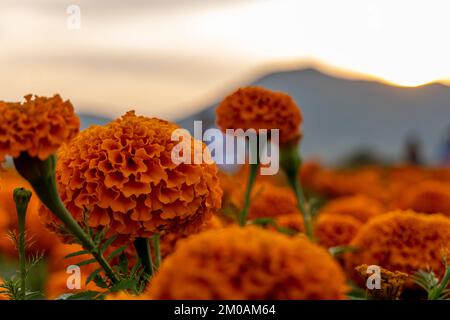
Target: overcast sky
(168, 58)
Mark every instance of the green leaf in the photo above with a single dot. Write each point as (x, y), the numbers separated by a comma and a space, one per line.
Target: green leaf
(339, 250)
(116, 252)
(78, 253)
(92, 275)
(264, 221)
(123, 263)
(84, 295)
(86, 262)
(125, 284)
(107, 243)
(100, 282)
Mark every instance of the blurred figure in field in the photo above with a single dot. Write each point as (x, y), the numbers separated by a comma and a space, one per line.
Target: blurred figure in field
(413, 149)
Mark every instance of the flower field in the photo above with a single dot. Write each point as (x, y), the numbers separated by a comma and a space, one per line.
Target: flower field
(105, 213)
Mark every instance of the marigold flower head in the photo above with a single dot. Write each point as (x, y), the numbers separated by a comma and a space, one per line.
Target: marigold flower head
(268, 200)
(170, 240)
(402, 240)
(122, 176)
(336, 230)
(330, 230)
(426, 197)
(340, 183)
(259, 108)
(360, 207)
(248, 263)
(38, 126)
(391, 283)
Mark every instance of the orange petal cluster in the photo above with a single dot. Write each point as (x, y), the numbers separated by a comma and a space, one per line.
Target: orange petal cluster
(336, 230)
(402, 240)
(122, 176)
(169, 241)
(38, 126)
(360, 207)
(259, 108)
(330, 230)
(268, 200)
(427, 197)
(248, 263)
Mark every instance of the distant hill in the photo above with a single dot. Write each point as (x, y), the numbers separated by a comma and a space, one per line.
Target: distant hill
(343, 116)
(89, 120)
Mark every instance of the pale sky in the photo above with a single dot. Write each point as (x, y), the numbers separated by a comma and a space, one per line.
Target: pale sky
(168, 58)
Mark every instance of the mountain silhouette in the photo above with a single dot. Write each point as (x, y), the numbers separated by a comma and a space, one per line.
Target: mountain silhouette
(342, 116)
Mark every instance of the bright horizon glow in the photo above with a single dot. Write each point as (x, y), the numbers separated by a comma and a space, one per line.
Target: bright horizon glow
(169, 58)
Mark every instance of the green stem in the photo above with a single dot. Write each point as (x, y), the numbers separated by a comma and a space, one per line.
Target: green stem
(41, 176)
(251, 181)
(144, 252)
(156, 247)
(290, 163)
(22, 198)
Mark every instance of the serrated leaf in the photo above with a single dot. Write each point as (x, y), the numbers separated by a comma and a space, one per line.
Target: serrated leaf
(116, 252)
(107, 243)
(339, 250)
(75, 254)
(99, 282)
(125, 284)
(86, 262)
(92, 275)
(123, 263)
(84, 295)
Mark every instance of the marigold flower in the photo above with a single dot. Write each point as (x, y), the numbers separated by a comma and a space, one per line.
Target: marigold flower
(259, 108)
(268, 200)
(426, 197)
(340, 183)
(248, 263)
(402, 240)
(360, 207)
(391, 283)
(336, 230)
(38, 126)
(169, 241)
(122, 176)
(330, 230)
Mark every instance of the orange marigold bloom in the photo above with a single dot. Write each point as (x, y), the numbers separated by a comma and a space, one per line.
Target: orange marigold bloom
(336, 230)
(259, 108)
(426, 197)
(122, 176)
(170, 240)
(392, 283)
(38, 126)
(330, 229)
(402, 240)
(248, 263)
(268, 200)
(360, 207)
